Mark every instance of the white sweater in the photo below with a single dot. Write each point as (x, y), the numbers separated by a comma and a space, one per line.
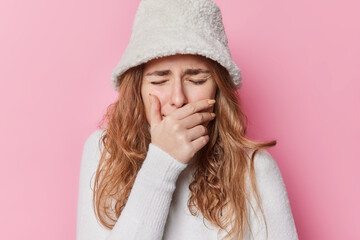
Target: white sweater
(157, 205)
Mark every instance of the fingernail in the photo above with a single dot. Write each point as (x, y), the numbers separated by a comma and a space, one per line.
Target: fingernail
(213, 114)
(212, 101)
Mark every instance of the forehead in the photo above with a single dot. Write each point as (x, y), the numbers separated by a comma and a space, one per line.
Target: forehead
(177, 61)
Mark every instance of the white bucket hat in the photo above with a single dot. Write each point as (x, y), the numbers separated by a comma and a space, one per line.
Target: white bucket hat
(167, 27)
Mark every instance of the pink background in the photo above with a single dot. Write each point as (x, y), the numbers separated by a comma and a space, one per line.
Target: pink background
(300, 63)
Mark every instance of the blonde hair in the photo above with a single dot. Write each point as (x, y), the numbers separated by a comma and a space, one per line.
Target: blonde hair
(219, 181)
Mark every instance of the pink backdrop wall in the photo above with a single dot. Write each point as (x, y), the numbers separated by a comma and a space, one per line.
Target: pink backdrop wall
(300, 63)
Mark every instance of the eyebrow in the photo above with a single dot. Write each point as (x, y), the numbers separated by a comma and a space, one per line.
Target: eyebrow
(187, 72)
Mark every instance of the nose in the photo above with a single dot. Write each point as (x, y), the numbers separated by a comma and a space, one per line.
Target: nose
(178, 97)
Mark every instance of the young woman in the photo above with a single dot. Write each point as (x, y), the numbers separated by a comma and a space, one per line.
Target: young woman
(172, 160)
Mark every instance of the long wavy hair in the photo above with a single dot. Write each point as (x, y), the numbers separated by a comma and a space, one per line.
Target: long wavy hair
(222, 166)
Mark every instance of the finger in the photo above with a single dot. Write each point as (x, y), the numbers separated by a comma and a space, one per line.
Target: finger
(197, 118)
(192, 108)
(155, 110)
(196, 132)
(200, 142)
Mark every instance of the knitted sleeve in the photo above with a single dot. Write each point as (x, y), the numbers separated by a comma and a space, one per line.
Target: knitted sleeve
(275, 202)
(145, 213)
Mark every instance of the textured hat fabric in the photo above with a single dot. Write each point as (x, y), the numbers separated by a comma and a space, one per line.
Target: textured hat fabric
(167, 27)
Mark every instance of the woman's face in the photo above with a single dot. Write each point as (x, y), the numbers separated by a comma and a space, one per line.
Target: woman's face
(177, 80)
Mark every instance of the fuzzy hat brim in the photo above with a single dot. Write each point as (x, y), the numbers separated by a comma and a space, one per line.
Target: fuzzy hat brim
(161, 42)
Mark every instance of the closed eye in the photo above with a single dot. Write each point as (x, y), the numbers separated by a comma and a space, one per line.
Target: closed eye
(193, 81)
(197, 82)
(157, 83)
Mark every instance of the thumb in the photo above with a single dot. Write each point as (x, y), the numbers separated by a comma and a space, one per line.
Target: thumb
(155, 110)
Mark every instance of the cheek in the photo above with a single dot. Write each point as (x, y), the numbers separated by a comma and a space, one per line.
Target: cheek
(146, 101)
(205, 92)
(159, 93)
(162, 94)
(200, 93)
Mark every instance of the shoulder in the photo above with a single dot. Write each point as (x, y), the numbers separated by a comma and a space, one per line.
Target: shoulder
(267, 172)
(93, 139)
(264, 163)
(92, 148)
(274, 200)
(92, 143)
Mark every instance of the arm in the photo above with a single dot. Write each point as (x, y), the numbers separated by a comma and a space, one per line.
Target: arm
(87, 225)
(145, 213)
(275, 202)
